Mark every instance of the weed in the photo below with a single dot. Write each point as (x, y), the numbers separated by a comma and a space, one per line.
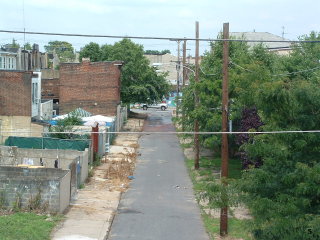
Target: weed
(3, 200)
(34, 203)
(96, 161)
(91, 171)
(17, 204)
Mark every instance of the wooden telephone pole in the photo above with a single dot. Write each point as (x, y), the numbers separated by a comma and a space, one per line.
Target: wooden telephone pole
(196, 99)
(184, 58)
(178, 81)
(225, 111)
(184, 75)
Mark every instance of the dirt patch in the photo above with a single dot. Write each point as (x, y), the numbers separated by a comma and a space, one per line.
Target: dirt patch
(119, 163)
(218, 237)
(138, 115)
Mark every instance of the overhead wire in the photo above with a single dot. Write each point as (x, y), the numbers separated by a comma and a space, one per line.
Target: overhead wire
(156, 38)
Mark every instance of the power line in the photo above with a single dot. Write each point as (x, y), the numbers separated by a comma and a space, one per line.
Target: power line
(157, 38)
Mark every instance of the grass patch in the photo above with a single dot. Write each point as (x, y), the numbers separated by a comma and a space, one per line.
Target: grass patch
(202, 181)
(186, 145)
(215, 163)
(27, 226)
(208, 165)
(237, 228)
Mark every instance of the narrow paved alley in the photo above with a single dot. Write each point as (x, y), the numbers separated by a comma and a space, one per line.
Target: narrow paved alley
(159, 203)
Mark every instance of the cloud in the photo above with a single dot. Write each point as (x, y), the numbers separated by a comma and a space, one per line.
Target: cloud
(185, 13)
(96, 6)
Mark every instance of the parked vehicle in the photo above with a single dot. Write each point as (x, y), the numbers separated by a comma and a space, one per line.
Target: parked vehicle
(163, 106)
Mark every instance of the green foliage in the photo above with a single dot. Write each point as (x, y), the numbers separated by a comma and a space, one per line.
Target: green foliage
(207, 187)
(63, 49)
(35, 202)
(139, 82)
(156, 52)
(91, 50)
(66, 125)
(14, 43)
(237, 228)
(27, 46)
(259, 64)
(3, 199)
(27, 226)
(17, 204)
(283, 194)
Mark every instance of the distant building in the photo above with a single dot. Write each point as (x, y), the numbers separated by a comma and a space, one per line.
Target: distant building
(19, 102)
(168, 63)
(50, 87)
(282, 48)
(19, 59)
(93, 86)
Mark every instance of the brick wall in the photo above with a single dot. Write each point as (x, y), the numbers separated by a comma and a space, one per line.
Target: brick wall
(94, 87)
(15, 93)
(49, 84)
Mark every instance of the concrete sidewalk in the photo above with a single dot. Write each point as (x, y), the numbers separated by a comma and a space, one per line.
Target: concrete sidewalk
(90, 216)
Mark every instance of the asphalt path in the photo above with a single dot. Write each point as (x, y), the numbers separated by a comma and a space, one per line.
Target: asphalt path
(160, 203)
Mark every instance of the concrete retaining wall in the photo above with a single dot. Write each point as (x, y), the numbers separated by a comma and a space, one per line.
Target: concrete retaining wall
(23, 184)
(12, 156)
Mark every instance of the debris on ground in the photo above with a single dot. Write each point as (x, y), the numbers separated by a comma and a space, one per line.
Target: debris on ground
(91, 214)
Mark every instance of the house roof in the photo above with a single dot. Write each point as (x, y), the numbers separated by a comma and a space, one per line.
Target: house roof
(9, 49)
(265, 36)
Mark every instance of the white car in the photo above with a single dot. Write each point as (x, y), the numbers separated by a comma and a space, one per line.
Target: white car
(162, 106)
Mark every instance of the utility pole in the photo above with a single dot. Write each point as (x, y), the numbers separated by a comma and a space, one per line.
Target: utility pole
(184, 57)
(178, 80)
(225, 111)
(196, 99)
(184, 75)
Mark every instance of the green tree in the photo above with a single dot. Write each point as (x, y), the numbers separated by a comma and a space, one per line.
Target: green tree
(156, 52)
(63, 49)
(91, 50)
(14, 43)
(139, 82)
(283, 193)
(27, 46)
(65, 125)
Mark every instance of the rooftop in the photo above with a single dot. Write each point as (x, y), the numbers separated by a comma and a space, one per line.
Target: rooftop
(265, 36)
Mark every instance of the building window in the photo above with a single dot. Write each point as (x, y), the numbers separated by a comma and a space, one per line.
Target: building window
(14, 63)
(1, 63)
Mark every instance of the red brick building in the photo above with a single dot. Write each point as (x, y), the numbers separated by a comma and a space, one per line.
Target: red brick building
(93, 86)
(50, 87)
(15, 93)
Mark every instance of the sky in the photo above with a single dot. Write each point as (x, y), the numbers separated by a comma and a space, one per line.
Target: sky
(154, 18)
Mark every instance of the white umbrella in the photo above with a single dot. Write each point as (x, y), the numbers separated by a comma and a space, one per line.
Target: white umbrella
(98, 118)
(93, 120)
(93, 123)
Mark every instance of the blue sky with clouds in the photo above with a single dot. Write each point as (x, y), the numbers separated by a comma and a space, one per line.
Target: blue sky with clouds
(161, 18)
